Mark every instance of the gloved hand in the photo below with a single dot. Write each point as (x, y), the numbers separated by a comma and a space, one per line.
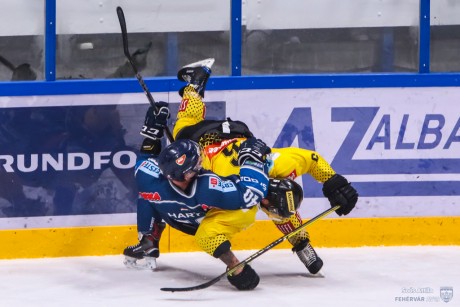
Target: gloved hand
(156, 121)
(340, 192)
(254, 149)
(246, 280)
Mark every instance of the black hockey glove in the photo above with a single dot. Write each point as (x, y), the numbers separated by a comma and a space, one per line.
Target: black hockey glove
(340, 192)
(151, 146)
(254, 149)
(155, 122)
(246, 280)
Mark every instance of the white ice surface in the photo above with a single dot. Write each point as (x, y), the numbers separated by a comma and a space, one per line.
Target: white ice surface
(355, 277)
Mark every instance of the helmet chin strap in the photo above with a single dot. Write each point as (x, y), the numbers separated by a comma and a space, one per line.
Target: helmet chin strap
(186, 187)
(185, 183)
(181, 184)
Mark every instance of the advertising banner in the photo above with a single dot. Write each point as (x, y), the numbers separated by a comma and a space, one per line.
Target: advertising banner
(67, 156)
(399, 146)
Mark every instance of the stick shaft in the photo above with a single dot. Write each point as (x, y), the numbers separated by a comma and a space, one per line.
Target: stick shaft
(124, 34)
(255, 255)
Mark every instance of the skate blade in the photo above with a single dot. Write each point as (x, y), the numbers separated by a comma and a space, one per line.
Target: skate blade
(148, 263)
(317, 275)
(203, 63)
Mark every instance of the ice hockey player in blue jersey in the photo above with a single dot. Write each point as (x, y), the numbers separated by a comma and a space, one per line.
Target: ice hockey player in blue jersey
(174, 189)
(181, 192)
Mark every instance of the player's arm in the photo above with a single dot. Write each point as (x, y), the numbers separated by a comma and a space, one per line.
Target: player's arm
(336, 187)
(292, 162)
(253, 167)
(229, 193)
(252, 185)
(319, 168)
(156, 120)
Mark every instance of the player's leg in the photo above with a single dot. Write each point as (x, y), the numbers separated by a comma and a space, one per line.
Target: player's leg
(214, 235)
(292, 162)
(196, 75)
(149, 234)
(301, 243)
(192, 109)
(148, 248)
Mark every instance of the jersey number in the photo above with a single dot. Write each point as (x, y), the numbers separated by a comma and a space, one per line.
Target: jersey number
(250, 198)
(233, 153)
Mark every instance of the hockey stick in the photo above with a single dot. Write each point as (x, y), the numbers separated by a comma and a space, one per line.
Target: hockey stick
(124, 35)
(253, 256)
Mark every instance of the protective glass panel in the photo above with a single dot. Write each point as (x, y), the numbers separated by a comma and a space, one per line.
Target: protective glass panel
(445, 36)
(161, 40)
(21, 40)
(347, 36)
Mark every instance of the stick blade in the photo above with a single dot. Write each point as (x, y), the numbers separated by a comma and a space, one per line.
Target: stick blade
(193, 288)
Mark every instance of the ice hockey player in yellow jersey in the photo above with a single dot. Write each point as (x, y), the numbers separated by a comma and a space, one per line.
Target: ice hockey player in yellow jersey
(221, 140)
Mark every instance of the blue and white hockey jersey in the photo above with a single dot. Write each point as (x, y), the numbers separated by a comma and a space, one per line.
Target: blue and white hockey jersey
(159, 199)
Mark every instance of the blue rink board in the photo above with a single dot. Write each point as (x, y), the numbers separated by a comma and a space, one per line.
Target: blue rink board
(102, 86)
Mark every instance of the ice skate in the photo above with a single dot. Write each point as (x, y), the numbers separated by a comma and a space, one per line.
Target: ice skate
(142, 255)
(308, 256)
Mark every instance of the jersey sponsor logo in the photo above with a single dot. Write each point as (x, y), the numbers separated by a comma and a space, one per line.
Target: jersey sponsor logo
(216, 183)
(256, 164)
(72, 161)
(290, 201)
(285, 227)
(213, 182)
(292, 175)
(212, 150)
(150, 167)
(150, 196)
(249, 179)
(254, 182)
(205, 207)
(181, 160)
(189, 215)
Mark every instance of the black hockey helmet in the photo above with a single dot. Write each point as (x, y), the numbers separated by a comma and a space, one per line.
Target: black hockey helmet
(284, 197)
(178, 158)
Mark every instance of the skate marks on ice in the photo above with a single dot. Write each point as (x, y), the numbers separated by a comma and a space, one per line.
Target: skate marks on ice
(358, 277)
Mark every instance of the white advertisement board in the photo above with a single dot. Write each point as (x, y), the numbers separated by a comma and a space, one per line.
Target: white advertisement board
(400, 147)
